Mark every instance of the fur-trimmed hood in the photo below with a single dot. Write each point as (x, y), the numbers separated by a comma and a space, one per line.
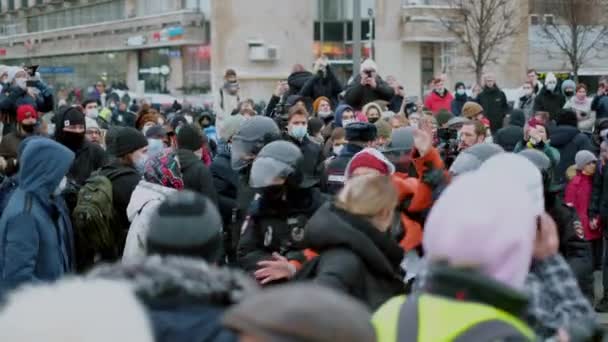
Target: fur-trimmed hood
(181, 280)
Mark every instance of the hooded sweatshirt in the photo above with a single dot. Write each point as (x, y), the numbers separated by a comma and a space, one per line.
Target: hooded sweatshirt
(37, 242)
(498, 231)
(339, 112)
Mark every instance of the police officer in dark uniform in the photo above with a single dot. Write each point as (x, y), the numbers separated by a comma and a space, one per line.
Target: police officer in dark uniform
(252, 136)
(359, 136)
(273, 228)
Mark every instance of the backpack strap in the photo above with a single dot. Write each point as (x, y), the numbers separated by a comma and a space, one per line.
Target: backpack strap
(408, 320)
(491, 330)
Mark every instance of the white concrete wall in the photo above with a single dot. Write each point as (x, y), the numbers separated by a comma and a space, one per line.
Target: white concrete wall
(287, 24)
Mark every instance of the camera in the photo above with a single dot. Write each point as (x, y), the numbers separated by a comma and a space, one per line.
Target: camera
(448, 145)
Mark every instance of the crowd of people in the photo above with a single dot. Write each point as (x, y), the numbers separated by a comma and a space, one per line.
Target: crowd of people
(339, 212)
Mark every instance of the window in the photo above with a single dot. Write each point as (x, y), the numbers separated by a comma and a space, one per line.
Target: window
(83, 15)
(200, 5)
(534, 19)
(11, 5)
(549, 19)
(149, 7)
(39, 2)
(24, 3)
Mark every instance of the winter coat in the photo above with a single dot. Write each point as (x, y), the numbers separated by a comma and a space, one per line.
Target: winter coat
(495, 106)
(578, 195)
(458, 103)
(600, 106)
(225, 181)
(276, 226)
(319, 85)
(551, 152)
(599, 195)
(586, 117)
(90, 157)
(526, 104)
(124, 179)
(36, 233)
(184, 298)
(124, 119)
(297, 81)
(333, 175)
(508, 137)
(568, 140)
(354, 256)
(144, 203)
(358, 95)
(549, 101)
(312, 164)
(13, 97)
(435, 102)
(196, 175)
(8, 150)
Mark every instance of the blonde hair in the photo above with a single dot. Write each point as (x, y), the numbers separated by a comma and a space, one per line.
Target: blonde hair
(367, 195)
(372, 105)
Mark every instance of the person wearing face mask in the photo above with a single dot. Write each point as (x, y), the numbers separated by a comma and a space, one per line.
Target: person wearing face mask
(271, 233)
(92, 110)
(550, 99)
(17, 93)
(70, 129)
(372, 112)
(122, 116)
(297, 134)
(36, 225)
(568, 89)
(344, 116)
(460, 98)
(526, 100)
(27, 119)
(207, 123)
(357, 256)
(229, 97)
(156, 135)
(130, 150)
(494, 102)
(440, 98)
(335, 144)
(323, 82)
(581, 104)
(196, 175)
(367, 87)
(322, 109)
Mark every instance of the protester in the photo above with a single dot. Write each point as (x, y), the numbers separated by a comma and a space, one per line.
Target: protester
(372, 112)
(27, 119)
(472, 158)
(535, 137)
(93, 132)
(70, 131)
(195, 173)
(581, 105)
(37, 243)
(228, 95)
(114, 304)
(123, 116)
(460, 98)
(550, 99)
(532, 79)
(598, 212)
(161, 178)
(344, 116)
(92, 111)
(384, 130)
(359, 136)
(304, 314)
(527, 99)
(599, 105)
(494, 102)
(439, 98)
(367, 87)
(322, 83)
(157, 139)
(568, 140)
(568, 89)
(268, 246)
(146, 118)
(471, 133)
(335, 144)
(508, 137)
(496, 264)
(297, 134)
(399, 121)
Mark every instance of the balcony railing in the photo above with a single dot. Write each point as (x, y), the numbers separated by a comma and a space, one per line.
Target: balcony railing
(425, 3)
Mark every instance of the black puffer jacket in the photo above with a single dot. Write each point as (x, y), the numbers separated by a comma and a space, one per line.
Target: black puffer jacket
(197, 176)
(226, 182)
(184, 298)
(495, 106)
(312, 164)
(297, 80)
(549, 101)
(358, 95)
(323, 85)
(568, 140)
(508, 137)
(354, 257)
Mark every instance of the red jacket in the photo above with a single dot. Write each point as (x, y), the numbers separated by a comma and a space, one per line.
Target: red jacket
(435, 103)
(578, 195)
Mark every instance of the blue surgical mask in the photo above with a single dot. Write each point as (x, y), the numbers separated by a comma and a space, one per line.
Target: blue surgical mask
(298, 132)
(460, 91)
(140, 164)
(155, 146)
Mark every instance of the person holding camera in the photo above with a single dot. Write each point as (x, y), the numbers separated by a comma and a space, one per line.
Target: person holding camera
(24, 88)
(323, 83)
(581, 104)
(367, 87)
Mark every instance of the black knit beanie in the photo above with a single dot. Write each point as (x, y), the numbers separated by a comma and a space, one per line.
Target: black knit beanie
(126, 140)
(186, 224)
(189, 137)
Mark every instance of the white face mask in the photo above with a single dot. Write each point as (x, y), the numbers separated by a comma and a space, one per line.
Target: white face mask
(460, 91)
(189, 119)
(551, 86)
(338, 149)
(62, 185)
(21, 82)
(93, 113)
(348, 122)
(323, 115)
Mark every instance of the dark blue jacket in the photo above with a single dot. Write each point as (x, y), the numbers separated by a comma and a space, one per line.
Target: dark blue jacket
(333, 177)
(13, 97)
(36, 240)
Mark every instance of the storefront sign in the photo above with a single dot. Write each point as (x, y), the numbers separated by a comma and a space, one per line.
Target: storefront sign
(175, 53)
(170, 33)
(136, 41)
(56, 70)
(2, 52)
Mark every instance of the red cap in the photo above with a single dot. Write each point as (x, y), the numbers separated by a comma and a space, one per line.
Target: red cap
(370, 161)
(26, 112)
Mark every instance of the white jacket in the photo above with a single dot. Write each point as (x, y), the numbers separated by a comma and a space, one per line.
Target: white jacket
(144, 202)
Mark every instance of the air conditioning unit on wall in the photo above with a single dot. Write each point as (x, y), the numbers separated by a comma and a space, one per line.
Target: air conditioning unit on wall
(261, 52)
